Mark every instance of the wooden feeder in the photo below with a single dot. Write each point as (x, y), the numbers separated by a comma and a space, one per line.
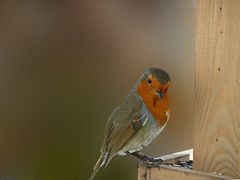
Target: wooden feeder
(216, 153)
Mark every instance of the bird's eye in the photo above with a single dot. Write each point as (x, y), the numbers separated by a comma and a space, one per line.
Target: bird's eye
(149, 81)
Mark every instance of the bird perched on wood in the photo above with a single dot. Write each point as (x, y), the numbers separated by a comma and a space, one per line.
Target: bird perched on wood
(138, 119)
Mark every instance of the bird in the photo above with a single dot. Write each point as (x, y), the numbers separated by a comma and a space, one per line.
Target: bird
(138, 119)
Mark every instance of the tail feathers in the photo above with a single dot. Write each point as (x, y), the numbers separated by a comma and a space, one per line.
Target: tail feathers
(101, 162)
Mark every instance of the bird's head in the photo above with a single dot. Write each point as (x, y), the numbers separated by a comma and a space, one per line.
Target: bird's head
(152, 87)
(154, 82)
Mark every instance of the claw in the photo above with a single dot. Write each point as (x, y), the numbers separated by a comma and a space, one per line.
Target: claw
(146, 160)
(152, 162)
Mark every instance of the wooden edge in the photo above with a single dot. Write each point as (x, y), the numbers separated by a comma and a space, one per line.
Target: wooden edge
(172, 173)
(179, 156)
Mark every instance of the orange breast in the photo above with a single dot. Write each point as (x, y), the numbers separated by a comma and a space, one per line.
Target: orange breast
(156, 106)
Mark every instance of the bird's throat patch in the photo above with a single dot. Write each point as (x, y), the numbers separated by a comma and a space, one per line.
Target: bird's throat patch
(156, 106)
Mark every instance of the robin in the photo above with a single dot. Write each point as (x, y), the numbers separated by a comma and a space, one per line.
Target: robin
(137, 120)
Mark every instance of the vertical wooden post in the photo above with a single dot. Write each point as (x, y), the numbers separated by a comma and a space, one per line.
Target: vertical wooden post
(217, 87)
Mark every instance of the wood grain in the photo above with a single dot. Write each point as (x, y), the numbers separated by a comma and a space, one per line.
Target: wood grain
(217, 87)
(173, 173)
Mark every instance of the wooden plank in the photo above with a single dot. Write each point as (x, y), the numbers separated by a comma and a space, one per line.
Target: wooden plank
(173, 173)
(179, 156)
(217, 87)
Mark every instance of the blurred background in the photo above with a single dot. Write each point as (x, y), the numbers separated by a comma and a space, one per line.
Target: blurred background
(64, 65)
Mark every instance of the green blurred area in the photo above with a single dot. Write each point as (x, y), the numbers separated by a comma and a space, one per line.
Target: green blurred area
(65, 65)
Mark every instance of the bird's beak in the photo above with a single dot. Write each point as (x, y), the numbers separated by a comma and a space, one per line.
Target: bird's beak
(160, 94)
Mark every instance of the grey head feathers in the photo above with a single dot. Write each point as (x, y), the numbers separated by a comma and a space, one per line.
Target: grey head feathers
(161, 75)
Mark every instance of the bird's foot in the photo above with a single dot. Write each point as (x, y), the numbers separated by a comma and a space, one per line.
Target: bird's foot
(152, 162)
(146, 160)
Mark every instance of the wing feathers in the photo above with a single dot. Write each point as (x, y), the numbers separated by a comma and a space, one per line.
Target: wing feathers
(125, 121)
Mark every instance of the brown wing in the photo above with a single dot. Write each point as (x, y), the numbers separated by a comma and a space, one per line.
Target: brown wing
(125, 121)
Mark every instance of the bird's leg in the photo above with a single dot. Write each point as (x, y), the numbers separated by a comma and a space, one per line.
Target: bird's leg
(148, 161)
